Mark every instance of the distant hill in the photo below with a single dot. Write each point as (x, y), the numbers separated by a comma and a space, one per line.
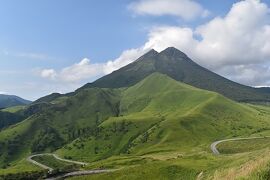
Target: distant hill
(180, 67)
(11, 100)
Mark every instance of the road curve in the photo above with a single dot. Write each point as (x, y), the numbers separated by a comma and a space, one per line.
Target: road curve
(29, 159)
(67, 160)
(214, 144)
(70, 174)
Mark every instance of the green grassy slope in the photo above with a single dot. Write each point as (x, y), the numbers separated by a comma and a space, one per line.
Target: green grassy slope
(50, 161)
(9, 118)
(155, 121)
(240, 146)
(14, 109)
(57, 124)
(16, 114)
(160, 116)
(252, 166)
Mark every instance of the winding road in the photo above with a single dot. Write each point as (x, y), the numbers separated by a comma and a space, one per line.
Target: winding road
(30, 159)
(70, 174)
(214, 144)
(213, 147)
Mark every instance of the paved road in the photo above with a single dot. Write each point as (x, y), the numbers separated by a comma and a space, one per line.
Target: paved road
(70, 174)
(30, 159)
(39, 164)
(214, 144)
(67, 160)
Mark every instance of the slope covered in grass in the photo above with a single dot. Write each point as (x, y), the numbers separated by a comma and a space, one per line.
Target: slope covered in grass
(57, 124)
(157, 119)
(239, 146)
(50, 161)
(160, 114)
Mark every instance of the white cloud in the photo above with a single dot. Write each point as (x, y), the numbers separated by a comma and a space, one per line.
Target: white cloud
(186, 9)
(74, 73)
(240, 37)
(48, 73)
(255, 74)
(125, 58)
(3, 92)
(85, 70)
(166, 36)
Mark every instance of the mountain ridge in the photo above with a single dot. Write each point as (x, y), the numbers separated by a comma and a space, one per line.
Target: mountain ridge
(12, 100)
(180, 67)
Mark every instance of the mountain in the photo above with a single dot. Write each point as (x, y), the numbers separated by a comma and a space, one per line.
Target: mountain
(180, 67)
(11, 100)
(264, 89)
(151, 123)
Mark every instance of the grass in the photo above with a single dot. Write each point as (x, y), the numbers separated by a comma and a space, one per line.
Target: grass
(253, 166)
(50, 161)
(13, 109)
(19, 167)
(241, 166)
(240, 146)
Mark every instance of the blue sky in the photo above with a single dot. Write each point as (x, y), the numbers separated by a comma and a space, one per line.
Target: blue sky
(42, 41)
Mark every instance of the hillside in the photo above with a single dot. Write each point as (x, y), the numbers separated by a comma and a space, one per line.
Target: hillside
(160, 114)
(55, 124)
(180, 67)
(150, 122)
(11, 100)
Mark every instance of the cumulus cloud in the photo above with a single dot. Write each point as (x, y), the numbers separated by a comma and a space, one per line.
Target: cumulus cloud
(48, 73)
(85, 70)
(125, 58)
(256, 74)
(186, 9)
(80, 71)
(242, 36)
(74, 73)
